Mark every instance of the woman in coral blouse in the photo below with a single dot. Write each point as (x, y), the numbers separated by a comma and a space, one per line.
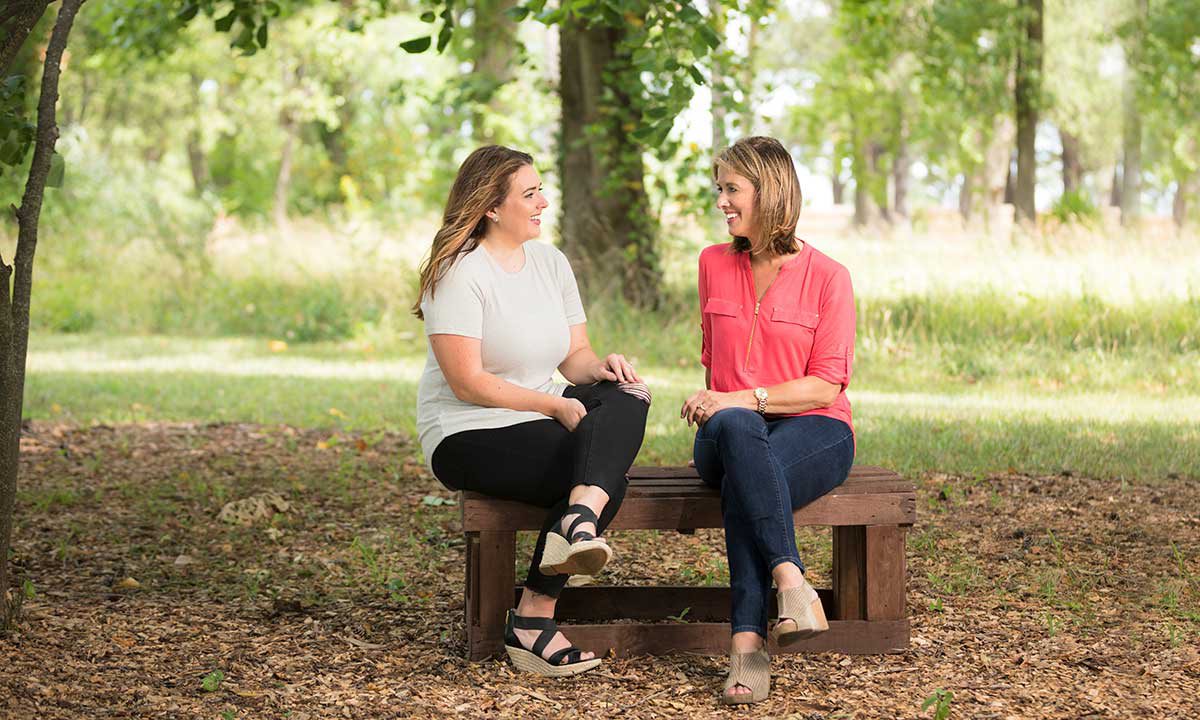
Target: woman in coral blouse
(774, 423)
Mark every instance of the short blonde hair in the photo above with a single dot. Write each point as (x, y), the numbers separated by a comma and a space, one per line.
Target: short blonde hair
(777, 199)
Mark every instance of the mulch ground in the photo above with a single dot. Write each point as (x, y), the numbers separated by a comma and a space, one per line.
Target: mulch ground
(239, 571)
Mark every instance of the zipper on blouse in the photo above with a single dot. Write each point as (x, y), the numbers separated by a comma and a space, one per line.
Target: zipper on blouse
(750, 343)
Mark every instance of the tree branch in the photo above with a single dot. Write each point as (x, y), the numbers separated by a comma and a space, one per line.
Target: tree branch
(18, 20)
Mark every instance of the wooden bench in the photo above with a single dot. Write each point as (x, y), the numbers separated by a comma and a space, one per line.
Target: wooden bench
(870, 514)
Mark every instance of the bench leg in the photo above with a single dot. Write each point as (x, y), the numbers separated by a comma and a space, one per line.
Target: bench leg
(491, 557)
(869, 574)
(886, 573)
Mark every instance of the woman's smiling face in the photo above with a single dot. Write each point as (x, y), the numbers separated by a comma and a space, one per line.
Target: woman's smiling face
(735, 198)
(520, 215)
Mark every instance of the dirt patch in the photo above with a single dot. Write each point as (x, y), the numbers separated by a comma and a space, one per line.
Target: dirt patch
(263, 571)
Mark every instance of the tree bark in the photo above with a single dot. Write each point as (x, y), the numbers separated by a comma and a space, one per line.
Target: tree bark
(1114, 195)
(197, 162)
(494, 37)
(838, 184)
(1028, 98)
(1179, 205)
(1131, 133)
(965, 201)
(901, 167)
(14, 310)
(717, 83)
(607, 227)
(18, 19)
(283, 181)
(1072, 167)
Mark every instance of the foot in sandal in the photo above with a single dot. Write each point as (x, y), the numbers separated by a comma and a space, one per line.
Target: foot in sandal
(572, 548)
(749, 678)
(801, 614)
(535, 645)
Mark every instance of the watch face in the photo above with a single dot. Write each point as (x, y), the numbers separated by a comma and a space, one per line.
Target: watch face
(760, 393)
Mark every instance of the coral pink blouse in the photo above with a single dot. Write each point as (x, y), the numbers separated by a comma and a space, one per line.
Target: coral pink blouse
(804, 324)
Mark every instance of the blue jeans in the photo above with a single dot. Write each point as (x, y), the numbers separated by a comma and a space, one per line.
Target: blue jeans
(765, 469)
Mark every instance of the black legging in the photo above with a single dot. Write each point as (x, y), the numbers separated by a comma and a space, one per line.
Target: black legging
(540, 462)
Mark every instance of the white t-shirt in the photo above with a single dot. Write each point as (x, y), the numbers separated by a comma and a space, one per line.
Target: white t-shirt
(523, 320)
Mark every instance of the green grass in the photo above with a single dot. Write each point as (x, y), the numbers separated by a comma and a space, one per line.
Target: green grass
(914, 412)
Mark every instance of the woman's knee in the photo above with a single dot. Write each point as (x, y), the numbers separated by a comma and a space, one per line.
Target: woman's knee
(731, 421)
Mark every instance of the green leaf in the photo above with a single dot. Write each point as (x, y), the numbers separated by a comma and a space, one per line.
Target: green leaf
(518, 13)
(417, 45)
(428, 16)
(224, 24)
(690, 14)
(710, 36)
(262, 35)
(444, 37)
(58, 170)
(697, 76)
(188, 12)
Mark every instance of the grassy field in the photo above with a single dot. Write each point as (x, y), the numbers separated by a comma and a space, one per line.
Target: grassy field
(917, 413)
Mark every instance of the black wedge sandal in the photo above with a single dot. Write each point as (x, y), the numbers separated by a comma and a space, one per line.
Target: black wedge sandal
(582, 554)
(532, 661)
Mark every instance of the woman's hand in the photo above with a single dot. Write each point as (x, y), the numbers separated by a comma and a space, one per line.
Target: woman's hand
(569, 412)
(705, 403)
(616, 369)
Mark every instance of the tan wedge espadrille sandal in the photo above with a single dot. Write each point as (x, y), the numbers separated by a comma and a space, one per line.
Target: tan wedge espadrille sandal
(801, 615)
(583, 554)
(531, 660)
(751, 670)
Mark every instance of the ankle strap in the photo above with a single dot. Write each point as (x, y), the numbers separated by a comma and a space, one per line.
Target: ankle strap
(585, 515)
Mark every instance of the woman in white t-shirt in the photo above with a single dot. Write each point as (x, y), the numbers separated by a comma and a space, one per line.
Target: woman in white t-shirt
(502, 314)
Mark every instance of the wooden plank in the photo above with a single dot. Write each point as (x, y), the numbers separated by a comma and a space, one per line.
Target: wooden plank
(849, 573)
(709, 603)
(670, 513)
(857, 473)
(855, 637)
(885, 574)
(497, 557)
(471, 585)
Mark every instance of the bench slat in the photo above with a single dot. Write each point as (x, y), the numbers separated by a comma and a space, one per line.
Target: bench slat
(668, 513)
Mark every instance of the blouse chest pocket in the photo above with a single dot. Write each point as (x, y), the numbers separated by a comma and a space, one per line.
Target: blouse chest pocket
(717, 306)
(795, 316)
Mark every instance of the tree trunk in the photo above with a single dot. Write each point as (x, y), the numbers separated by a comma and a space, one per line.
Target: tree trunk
(283, 181)
(864, 206)
(1114, 195)
(1131, 132)
(1028, 99)
(495, 36)
(900, 172)
(1179, 205)
(717, 84)
(838, 184)
(18, 19)
(1072, 168)
(197, 162)
(1010, 186)
(607, 227)
(14, 310)
(879, 180)
(965, 200)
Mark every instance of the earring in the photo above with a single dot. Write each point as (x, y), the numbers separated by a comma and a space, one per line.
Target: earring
(494, 218)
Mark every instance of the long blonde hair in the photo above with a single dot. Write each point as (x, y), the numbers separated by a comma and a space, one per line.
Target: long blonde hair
(777, 199)
(481, 184)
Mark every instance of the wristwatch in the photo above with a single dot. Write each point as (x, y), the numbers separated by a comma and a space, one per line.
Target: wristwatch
(760, 394)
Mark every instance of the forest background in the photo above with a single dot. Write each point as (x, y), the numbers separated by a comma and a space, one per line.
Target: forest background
(220, 312)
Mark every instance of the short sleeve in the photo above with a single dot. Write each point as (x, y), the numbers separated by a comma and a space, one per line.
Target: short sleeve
(832, 357)
(572, 304)
(705, 319)
(455, 306)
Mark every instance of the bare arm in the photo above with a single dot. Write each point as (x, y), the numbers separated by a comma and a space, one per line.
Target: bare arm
(788, 398)
(582, 366)
(460, 360)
